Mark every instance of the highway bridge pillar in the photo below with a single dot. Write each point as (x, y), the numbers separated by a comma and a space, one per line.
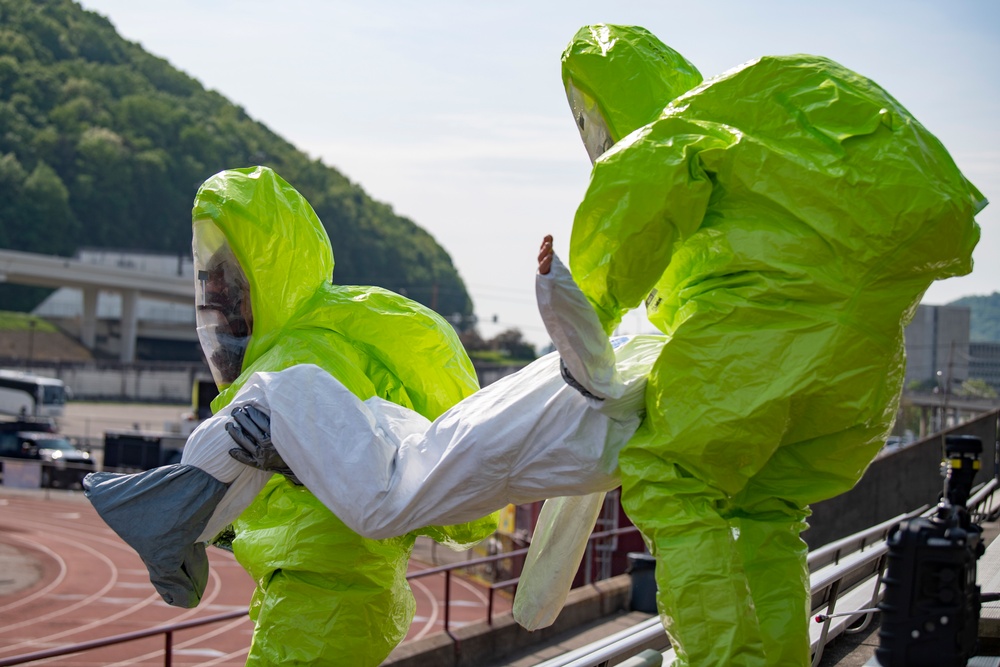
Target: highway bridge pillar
(130, 319)
(88, 325)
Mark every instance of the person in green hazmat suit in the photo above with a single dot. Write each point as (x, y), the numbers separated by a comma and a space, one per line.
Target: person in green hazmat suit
(266, 301)
(781, 222)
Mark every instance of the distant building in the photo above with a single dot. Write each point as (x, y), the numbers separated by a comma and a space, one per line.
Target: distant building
(984, 363)
(937, 346)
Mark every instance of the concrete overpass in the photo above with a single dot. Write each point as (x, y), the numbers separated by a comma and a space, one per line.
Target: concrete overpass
(26, 268)
(938, 411)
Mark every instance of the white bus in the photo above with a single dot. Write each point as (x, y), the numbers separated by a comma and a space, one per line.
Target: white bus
(26, 395)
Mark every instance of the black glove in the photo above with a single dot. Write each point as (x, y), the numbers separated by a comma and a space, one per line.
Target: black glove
(250, 427)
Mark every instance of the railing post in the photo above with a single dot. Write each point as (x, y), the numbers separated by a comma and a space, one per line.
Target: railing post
(447, 601)
(167, 631)
(880, 569)
(831, 606)
(168, 655)
(489, 607)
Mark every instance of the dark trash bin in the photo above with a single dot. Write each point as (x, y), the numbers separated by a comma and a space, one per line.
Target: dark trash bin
(642, 570)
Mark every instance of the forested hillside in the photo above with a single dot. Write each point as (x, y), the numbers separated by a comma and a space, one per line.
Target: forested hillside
(104, 145)
(985, 317)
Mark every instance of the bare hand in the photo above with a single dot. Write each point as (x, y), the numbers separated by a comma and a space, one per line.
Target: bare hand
(545, 255)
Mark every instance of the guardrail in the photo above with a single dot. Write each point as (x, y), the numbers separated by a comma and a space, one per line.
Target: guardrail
(25, 473)
(500, 585)
(168, 630)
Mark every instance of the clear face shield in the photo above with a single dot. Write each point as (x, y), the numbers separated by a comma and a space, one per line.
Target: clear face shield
(589, 120)
(222, 303)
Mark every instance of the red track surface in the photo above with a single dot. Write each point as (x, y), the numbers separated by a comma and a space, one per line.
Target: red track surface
(84, 583)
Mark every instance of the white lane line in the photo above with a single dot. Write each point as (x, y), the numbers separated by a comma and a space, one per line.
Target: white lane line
(154, 597)
(226, 627)
(202, 652)
(44, 591)
(69, 609)
(476, 591)
(435, 609)
(242, 655)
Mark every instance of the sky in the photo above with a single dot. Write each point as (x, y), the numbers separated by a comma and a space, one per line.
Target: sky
(453, 112)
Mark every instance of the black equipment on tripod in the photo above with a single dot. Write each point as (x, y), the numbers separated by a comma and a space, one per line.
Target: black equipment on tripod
(930, 612)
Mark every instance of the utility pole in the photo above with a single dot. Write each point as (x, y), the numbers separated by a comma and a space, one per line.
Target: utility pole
(947, 386)
(947, 377)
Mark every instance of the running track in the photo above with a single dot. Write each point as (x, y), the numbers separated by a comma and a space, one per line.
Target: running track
(84, 583)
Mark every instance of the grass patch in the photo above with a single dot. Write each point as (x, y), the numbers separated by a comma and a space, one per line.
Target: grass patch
(11, 321)
(497, 357)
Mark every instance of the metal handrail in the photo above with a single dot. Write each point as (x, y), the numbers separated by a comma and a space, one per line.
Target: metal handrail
(613, 646)
(509, 583)
(628, 641)
(167, 630)
(833, 552)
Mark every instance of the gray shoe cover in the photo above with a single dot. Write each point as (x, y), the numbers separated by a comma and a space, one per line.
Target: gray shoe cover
(160, 513)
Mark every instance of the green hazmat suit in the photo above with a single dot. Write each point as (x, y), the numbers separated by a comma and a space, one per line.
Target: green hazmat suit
(325, 595)
(781, 221)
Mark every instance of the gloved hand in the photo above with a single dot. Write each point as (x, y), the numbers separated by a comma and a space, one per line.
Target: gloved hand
(250, 427)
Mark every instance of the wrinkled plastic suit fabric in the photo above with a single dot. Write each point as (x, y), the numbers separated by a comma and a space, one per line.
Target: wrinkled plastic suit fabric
(160, 513)
(783, 219)
(558, 543)
(325, 595)
(638, 56)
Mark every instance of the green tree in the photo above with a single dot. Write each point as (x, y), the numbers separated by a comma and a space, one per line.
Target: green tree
(511, 342)
(131, 138)
(12, 177)
(100, 190)
(985, 316)
(47, 216)
(976, 388)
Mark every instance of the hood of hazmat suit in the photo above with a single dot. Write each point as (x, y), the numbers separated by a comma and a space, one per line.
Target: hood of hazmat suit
(608, 102)
(266, 301)
(781, 221)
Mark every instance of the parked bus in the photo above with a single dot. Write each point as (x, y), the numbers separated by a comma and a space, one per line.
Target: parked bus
(27, 395)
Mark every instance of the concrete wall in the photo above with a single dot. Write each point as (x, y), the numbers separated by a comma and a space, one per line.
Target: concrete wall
(898, 482)
(131, 383)
(153, 382)
(481, 643)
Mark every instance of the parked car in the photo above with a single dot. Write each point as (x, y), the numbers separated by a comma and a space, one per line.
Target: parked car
(63, 464)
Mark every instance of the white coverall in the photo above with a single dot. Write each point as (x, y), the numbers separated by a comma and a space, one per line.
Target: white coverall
(385, 470)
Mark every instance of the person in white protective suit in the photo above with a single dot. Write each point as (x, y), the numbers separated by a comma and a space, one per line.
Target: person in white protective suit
(552, 429)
